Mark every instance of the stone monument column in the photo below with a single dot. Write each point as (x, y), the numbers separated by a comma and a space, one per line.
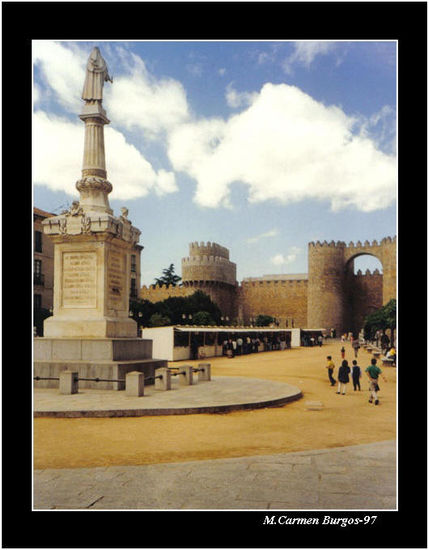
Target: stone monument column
(92, 247)
(90, 331)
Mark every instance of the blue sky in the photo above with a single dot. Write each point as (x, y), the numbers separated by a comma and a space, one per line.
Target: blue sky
(261, 147)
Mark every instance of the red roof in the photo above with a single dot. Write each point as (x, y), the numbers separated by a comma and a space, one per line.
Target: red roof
(42, 213)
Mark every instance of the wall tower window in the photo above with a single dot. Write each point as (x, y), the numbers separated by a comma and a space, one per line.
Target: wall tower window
(37, 301)
(38, 241)
(38, 276)
(133, 263)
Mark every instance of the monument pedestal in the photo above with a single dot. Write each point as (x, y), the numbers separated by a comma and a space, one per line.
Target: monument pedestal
(105, 358)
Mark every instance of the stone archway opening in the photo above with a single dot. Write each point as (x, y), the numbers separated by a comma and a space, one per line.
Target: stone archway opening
(363, 289)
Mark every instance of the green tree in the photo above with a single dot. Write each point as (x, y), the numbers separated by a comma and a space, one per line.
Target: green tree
(264, 320)
(168, 277)
(159, 320)
(142, 310)
(199, 301)
(381, 319)
(202, 318)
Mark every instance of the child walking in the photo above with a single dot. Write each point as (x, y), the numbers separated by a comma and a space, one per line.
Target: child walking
(356, 374)
(343, 353)
(373, 372)
(330, 366)
(343, 377)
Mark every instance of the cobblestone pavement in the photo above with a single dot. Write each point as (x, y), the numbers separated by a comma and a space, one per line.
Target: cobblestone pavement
(345, 478)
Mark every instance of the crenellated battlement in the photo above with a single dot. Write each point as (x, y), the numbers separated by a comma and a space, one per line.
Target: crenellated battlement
(358, 244)
(208, 249)
(206, 260)
(368, 273)
(332, 244)
(275, 282)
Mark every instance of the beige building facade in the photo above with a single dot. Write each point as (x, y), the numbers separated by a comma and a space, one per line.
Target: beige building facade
(43, 263)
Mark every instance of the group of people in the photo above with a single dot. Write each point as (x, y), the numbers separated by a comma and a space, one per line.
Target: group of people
(373, 372)
(311, 340)
(246, 344)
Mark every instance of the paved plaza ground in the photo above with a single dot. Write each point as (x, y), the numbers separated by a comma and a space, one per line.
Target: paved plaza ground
(342, 456)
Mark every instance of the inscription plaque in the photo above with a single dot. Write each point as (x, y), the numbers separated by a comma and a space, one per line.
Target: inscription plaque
(79, 279)
(116, 280)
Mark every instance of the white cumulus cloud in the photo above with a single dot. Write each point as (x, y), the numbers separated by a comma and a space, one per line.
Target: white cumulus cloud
(305, 52)
(283, 145)
(135, 100)
(286, 147)
(286, 259)
(58, 152)
(238, 99)
(62, 70)
(138, 101)
(271, 233)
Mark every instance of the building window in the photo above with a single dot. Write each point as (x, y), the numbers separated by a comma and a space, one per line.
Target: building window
(133, 289)
(37, 301)
(38, 276)
(38, 241)
(133, 263)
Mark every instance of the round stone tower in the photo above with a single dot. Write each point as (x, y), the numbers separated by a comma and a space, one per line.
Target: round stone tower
(325, 307)
(208, 268)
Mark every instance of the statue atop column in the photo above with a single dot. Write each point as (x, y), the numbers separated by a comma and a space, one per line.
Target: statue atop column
(96, 75)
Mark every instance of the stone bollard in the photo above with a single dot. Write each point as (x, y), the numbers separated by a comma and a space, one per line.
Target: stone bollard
(314, 405)
(186, 375)
(204, 375)
(68, 382)
(163, 383)
(134, 384)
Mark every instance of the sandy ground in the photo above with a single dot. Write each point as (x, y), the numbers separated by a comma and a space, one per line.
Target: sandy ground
(344, 420)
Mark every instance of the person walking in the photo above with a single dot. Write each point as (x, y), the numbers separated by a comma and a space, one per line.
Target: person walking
(343, 377)
(320, 340)
(356, 375)
(330, 366)
(343, 353)
(239, 345)
(373, 372)
(356, 346)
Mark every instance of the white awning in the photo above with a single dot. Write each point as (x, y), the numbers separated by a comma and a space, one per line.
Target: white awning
(185, 328)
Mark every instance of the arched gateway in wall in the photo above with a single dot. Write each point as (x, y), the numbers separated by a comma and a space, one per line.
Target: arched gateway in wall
(334, 290)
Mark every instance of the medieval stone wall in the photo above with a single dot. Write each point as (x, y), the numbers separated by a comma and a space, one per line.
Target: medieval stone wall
(284, 299)
(155, 293)
(364, 295)
(329, 296)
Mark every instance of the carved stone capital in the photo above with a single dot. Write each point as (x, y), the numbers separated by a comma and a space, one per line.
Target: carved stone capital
(94, 183)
